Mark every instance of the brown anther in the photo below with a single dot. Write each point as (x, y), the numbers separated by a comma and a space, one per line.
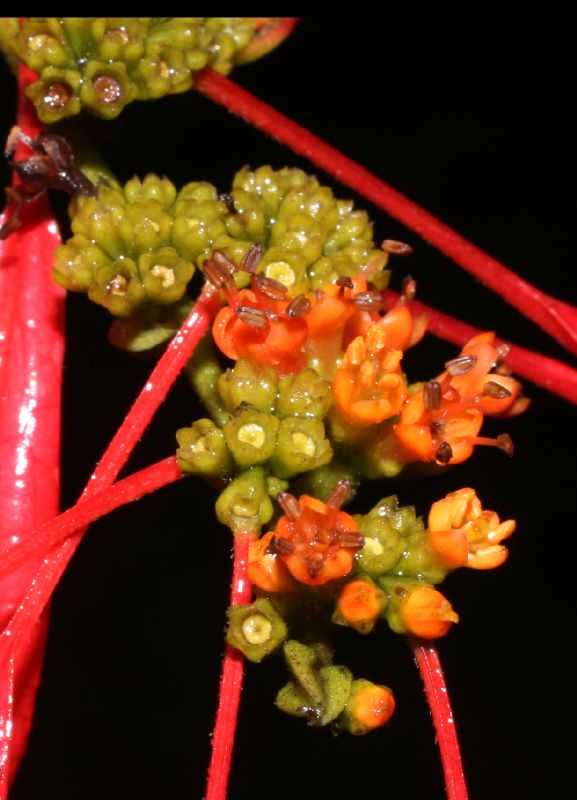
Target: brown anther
(228, 200)
(505, 443)
(339, 494)
(444, 453)
(218, 273)
(290, 505)
(345, 282)
(408, 287)
(274, 290)
(280, 546)
(396, 248)
(314, 565)
(57, 95)
(252, 316)
(333, 536)
(107, 89)
(369, 301)
(495, 390)
(298, 306)
(460, 365)
(251, 258)
(432, 395)
(437, 427)
(352, 540)
(400, 591)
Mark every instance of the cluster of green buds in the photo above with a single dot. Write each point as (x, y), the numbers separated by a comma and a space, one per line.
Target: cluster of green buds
(103, 63)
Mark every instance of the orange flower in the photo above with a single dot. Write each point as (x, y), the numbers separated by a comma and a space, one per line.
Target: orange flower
(369, 386)
(359, 604)
(369, 706)
(462, 534)
(427, 613)
(315, 541)
(442, 421)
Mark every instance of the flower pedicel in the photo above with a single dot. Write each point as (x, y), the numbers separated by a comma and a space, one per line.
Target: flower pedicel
(314, 402)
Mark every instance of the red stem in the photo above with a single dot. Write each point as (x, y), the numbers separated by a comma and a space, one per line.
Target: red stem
(230, 683)
(542, 370)
(38, 588)
(429, 664)
(557, 318)
(31, 354)
(40, 542)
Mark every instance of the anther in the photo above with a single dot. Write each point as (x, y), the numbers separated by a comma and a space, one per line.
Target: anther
(218, 272)
(272, 289)
(495, 390)
(396, 248)
(409, 287)
(345, 282)
(352, 540)
(339, 494)
(369, 301)
(298, 307)
(228, 200)
(505, 443)
(281, 546)
(460, 365)
(314, 565)
(251, 258)
(432, 395)
(252, 316)
(290, 505)
(444, 453)
(437, 428)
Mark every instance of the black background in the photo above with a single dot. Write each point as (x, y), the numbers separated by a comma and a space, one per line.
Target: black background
(476, 121)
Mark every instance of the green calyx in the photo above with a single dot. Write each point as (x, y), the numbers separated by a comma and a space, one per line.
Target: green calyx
(301, 446)
(251, 436)
(103, 63)
(256, 630)
(245, 505)
(203, 451)
(251, 384)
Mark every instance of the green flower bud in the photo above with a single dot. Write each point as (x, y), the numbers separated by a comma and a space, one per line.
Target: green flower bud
(375, 459)
(56, 94)
(118, 287)
(203, 451)
(102, 219)
(353, 226)
(251, 436)
(248, 220)
(41, 44)
(385, 529)
(76, 263)
(256, 630)
(301, 446)
(196, 226)
(328, 268)
(106, 88)
(245, 505)
(304, 395)
(321, 482)
(165, 275)
(398, 590)
(249, 384)
(151, 187)
(270, 185)
(288, 268)
(419, 560)
(119, 39)
(151, 226)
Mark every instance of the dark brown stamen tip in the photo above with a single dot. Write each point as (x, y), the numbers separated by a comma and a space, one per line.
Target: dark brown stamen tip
(299, 306)
(228, 200)
(460, 365)
(252, 316)
(333, 536)
(396, 248)
(314, 565)
(369, 301)
(505, 443)
(274, 290)
(219, 273)
(432, 395)
(345, 282)
(281, 546)
(339, 494)
(444, 453)
(354, 541)
(224, 261)
(290, 505)
(408, 288)
(251, 258)
(437, 427)
(495, 390)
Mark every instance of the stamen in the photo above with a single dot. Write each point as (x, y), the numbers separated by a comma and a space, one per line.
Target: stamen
(495, 390)
(345, 282)
(251, 258)
(353, 540)
(298, 307)
(444, 453)
(369, 301)
(228, 200)
(408, 288)
(338, 495)
(503, 369)
(505, 443)
(396, 248)
(290, 505)
(314, 565)
(272, 289)
(460, 365)
(252, 316)
(437, 427)
(218, 274)
(432, 395)
(281, 546)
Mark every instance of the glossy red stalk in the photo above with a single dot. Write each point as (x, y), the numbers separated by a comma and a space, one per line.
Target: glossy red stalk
(31, 354)
(557, 318)
(43, 539)
(38, 588)
(553, 375)
(429, 664)
(231, 681)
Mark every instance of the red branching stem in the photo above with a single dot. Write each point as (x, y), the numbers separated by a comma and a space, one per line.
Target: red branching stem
(549, 373)
(36, 591)
(40, 542)
(230, 683)
(429, 664)
(31, 354)
(557, 318)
